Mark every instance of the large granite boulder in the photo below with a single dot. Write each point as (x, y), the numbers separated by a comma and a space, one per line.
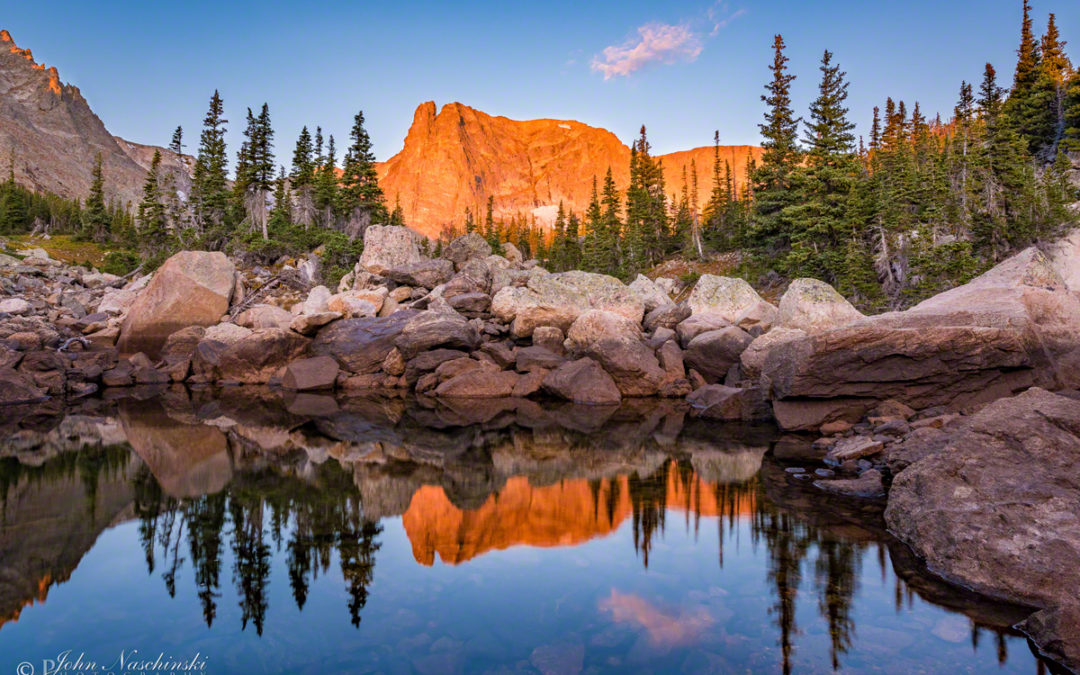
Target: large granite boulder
(192, 288)
(582, 381)
(436, 328)
(479, 383)
(558, 299)
(387, 247)
(259, 356)
(465, 248)
(422, 273)
(651, 295)
(1011, 328)
(361, 345)
(727, 296)
(264, 316)
(812, 305)
(996, 511)
(713, 353)
(614, 341)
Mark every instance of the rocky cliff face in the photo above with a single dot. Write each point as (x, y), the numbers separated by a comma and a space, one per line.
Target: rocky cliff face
(53, 135)
(456, 158)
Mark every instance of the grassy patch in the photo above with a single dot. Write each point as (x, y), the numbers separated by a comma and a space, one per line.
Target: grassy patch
(65, 248)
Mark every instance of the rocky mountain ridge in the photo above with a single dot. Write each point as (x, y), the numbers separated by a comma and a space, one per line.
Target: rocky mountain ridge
(455, 158)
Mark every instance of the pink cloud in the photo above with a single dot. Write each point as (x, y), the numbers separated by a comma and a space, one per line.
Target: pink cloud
(656, 42)
(663, 628)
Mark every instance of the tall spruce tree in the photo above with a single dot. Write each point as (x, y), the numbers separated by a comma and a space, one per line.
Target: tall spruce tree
(152, 226)
(96, 220)
(209, 191)
(819, 217)
(302, 179)
(773, 178)
(361, 198)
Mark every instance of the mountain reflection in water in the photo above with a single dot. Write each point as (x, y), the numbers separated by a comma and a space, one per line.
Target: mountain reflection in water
(221, 493)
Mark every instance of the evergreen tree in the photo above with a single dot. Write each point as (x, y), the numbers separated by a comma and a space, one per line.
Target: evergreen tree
(361, 198)
(302, 178)
(772, 180)
(209, 191)
(95, 217)
(646, 210)
(326, 181)
(820, 216)
(152, 224)
(172, 183)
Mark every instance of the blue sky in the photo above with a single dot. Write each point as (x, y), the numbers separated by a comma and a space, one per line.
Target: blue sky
(681, 68)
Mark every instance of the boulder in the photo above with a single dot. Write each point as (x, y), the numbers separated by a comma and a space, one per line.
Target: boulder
(357, 304)
(614, 341)
(318, 300)
(479, 383)
(192, 288)
(431, 329)
(512, 254)
(550, 338)
(465, 248)
(536, 357)
(713, 353)
(995, 511)
(753, 357)
(227, 333)
(309, 324)
(116, 302)
(14, 306)
(696, 324)
(16, 387)
(558, 299)
(257, 357)
(666, 316)
(422, 273)
(387, 247)
(181, 344)
(361, 345)
(869, 485)
(317, 372)
(1011, 328)
(811, 305)
(582, 381)
(264, 316)
(471, 304)
(729, 297)
(651, 295)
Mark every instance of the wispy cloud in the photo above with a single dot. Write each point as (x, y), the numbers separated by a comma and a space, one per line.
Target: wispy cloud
(655, 43)
(665, 43)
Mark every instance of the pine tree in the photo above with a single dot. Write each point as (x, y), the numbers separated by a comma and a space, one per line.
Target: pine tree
(1071, 105)
(174, 182)
(302, 178)
(12, 207)
(572, 246)
(326, 185)
(772, 179)
(152, 225)
(646, 210)
(281, 214)
(611, 242)
(95, 218)
(819, 217)
(210, 182)
(361, 198)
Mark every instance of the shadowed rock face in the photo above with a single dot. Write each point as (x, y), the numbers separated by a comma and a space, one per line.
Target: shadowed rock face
(996, 510)
(456, 158)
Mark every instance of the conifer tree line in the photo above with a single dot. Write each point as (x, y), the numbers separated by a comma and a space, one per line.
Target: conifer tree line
(921, 205)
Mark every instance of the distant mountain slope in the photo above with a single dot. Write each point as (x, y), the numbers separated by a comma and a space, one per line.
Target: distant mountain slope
(456, 158)
(53, 135)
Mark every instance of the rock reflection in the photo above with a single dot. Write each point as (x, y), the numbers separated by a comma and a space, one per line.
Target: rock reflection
(219, 482)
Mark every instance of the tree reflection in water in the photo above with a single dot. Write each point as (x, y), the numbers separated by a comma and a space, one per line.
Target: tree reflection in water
(319, 494)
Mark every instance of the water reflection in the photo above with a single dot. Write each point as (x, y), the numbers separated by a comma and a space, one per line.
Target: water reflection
(225, 488)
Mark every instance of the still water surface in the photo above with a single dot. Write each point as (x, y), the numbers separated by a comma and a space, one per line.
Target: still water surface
(318, 536)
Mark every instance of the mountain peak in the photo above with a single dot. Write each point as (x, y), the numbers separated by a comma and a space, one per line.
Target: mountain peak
(6, 37)
(456, 159)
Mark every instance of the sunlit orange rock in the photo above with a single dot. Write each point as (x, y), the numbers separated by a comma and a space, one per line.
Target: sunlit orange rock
(454, 159)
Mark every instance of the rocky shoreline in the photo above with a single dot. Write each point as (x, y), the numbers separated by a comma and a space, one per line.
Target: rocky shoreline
(943, 407)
